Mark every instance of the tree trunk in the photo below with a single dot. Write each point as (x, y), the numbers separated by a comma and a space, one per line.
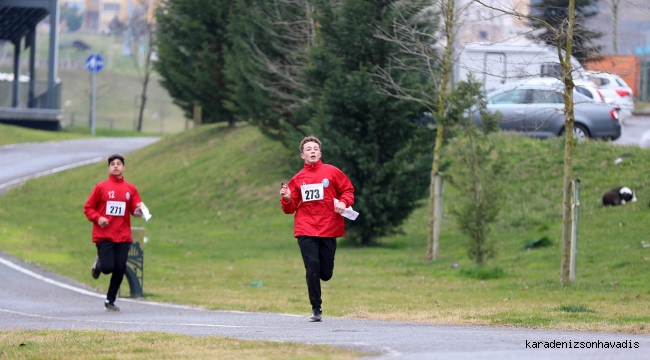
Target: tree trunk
(614, 6)
(448, 8)
(435, 166)
(568, 145)
(143, 100)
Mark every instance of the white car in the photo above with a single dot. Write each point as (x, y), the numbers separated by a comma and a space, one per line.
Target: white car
(614, 90)
(589, 89)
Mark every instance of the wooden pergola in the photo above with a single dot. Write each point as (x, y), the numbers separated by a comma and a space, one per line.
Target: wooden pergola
(18, 21)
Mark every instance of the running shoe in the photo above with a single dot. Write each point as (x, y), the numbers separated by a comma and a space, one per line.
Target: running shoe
(94, 271)
(316, 315)
(111, 306)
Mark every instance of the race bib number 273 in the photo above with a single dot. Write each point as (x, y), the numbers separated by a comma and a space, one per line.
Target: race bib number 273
(312, 192)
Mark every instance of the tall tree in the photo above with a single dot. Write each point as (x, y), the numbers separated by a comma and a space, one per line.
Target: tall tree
(72, 16)
(564, 34)
(550, 15)
(423, 34)
(270, 40)
(614, 6)
(371, 136)
(143, 31)
(192, 44)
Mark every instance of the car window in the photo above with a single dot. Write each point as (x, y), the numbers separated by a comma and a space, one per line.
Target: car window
(552, 70)
(516, 96)
(620, 82)
(599, 81)
(547, 97)
(584, 92)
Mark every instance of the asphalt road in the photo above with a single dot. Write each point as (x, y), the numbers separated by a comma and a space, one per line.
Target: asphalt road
(636, 131)
(33, 298)
(21, 162)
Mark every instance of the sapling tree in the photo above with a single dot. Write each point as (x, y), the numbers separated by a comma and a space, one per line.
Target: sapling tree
(476, 169)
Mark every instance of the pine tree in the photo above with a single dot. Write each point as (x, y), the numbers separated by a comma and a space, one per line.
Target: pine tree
(371, 136)
(269, 41)
(555, 13)
(191, 44)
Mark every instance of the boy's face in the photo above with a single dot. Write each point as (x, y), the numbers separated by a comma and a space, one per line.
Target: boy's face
(310, 153)
(116, 168)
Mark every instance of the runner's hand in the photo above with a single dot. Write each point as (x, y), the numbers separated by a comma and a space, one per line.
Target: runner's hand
(285, 192)
(102, 222)
(340, 206)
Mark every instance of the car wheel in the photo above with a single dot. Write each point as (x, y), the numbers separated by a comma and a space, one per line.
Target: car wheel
(580, 132)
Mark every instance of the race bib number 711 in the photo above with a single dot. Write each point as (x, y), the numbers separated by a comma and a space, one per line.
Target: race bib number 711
(115, 208)
(312, 192)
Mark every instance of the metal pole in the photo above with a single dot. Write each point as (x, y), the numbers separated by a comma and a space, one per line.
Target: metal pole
(15, 101)
(575, 207)
(93, 104)
(32, 70)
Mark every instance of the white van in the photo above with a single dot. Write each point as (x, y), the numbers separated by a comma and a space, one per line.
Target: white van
(496, 64)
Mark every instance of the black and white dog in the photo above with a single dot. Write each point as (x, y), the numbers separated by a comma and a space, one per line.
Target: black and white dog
(619, 196)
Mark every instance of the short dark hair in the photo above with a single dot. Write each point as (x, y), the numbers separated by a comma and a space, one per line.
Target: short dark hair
(310, 138)
(115, 156)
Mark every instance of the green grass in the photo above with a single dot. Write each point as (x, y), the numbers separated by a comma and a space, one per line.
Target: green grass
(10, 134)
(78, 344)
(15, 134)
(109, 132)
(217, 227)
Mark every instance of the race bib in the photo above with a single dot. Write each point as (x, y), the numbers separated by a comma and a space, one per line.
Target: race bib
(115, 208)
(312, 192)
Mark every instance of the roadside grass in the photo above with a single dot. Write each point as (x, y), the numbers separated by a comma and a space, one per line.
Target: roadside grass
(218, 230)
(109, 132)
(10, 134)
(80, 344)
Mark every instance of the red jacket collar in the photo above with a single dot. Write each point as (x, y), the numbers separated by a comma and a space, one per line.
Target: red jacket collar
(114, 179)
(316, 166)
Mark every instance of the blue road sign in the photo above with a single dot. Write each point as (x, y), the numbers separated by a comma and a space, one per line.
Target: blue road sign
(94, 63)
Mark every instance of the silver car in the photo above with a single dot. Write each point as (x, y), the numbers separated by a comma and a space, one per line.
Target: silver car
(536, 108)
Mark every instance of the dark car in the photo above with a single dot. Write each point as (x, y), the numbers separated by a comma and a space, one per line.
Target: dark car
(536, 108)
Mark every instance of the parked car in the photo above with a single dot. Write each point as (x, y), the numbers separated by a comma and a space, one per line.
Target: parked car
(589, 89)
(615, 91)
(498, 64)
(536, 108)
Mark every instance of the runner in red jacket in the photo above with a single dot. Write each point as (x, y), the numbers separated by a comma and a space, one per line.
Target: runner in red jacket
(109, 207)
(318, 222)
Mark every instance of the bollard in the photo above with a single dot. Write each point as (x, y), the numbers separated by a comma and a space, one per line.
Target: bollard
(135, 263)
(575, 212)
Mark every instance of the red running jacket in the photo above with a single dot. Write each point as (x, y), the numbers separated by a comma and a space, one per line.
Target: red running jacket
(114, 199)
(317, 218)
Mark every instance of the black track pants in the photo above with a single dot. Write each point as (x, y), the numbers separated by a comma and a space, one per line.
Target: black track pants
(112, 259)
(318, 256)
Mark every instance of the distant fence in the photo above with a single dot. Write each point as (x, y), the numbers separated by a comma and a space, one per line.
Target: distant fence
(151, 124)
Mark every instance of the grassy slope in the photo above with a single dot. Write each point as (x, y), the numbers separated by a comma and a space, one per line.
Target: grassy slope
(15, 134)
(217, 227)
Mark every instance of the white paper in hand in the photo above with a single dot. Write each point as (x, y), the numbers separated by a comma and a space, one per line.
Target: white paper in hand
(144, 212)
(348, 212)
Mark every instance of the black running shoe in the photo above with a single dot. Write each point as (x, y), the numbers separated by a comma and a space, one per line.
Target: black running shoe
(94, 271)
(316, 315)
(111, 306)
